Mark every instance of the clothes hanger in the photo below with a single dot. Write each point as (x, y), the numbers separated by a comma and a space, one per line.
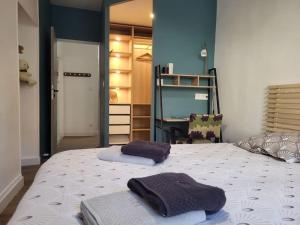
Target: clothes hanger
(147, 57)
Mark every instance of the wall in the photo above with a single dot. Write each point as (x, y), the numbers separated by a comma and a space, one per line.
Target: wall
(11, 179)
(178, 35)
(60, 96)
(80, 95)
(257, 45)
(31, 9)
(29, 39)
(76, 24)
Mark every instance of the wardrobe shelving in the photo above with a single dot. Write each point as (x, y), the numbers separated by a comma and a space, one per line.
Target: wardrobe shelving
(130, 80)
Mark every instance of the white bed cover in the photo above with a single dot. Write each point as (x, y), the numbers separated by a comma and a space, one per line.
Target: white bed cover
(260, 190)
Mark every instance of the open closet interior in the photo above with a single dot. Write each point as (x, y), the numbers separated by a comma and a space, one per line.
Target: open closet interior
(130, 66)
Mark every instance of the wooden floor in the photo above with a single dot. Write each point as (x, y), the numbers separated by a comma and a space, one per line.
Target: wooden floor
(29, 174)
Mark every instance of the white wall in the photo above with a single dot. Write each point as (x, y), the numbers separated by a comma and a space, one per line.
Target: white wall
(60, 97)
(31, 9)
(80, 95)
(257, 44)
(29, 39)
(10, 168)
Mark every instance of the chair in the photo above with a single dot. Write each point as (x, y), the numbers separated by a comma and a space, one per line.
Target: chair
(202, 129)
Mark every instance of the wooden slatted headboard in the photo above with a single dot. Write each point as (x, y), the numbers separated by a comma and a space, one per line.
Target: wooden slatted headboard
(283, 108)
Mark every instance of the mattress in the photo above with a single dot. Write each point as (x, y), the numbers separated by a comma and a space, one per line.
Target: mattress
(260, 190)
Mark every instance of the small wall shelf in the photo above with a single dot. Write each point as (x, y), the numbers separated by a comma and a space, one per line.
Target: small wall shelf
(193, 81)
(187, 86)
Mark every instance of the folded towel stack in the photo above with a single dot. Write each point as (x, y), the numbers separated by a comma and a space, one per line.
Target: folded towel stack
(176, 193)
(114, 154)
(152, 150)
(126, 208)
(163, 199)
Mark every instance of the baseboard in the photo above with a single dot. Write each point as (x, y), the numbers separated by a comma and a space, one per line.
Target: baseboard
(30, 161)
(11, 190)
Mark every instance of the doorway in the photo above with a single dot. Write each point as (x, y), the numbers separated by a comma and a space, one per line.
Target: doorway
(130, 71)
(77, 118)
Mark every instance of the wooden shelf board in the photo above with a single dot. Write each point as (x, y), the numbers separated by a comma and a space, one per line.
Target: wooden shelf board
(123, 71)
(141, 129)
(141, 104)
(120, 54)
(121, 87)
(187, 75)
(116, 37)
(187, 86)
(141, 117)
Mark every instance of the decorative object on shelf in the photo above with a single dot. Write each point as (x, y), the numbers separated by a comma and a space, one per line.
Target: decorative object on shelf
(171, 68)
(21, 49)
(23, 65)
(25, 76)
(68, 74)
(165, 70)
(204, 56)
(113, 97)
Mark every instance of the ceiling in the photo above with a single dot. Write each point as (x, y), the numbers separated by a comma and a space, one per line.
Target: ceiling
(94, 5)
(135, 12)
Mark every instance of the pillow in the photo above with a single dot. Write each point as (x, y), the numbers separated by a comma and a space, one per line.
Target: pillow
(280, 145)
(205, 126)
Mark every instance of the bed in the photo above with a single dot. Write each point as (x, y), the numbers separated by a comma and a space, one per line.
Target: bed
(260, 190)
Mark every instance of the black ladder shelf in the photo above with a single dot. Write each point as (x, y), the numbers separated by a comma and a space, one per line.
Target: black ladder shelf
(213, 105)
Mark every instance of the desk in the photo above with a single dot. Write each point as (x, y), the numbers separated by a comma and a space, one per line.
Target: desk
(174, 120)
(170, 126)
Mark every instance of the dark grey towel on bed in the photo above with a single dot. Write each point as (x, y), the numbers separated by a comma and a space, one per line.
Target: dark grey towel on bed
(176, 193)
(152, 150)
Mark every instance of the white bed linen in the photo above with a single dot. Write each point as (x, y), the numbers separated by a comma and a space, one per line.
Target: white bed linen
(259, 189)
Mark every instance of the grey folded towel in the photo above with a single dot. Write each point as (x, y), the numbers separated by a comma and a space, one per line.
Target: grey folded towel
(176, 193)
(126, 208)
(114, 154)
(156, 151)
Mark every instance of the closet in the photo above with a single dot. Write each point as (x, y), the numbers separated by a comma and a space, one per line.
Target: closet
(130, 67)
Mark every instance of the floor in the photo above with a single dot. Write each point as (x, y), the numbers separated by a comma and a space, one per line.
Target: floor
(69, 143)
(29, 174)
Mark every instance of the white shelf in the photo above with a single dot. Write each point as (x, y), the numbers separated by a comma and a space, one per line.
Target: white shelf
(186, 86)
(186, 75)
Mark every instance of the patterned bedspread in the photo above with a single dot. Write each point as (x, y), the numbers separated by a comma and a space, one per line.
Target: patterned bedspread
(260, 190)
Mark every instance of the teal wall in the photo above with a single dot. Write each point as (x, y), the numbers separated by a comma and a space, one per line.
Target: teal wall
(179, 31)
(178, 35)
(76, 24)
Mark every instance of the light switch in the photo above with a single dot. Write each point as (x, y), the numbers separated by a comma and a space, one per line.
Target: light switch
(200, 96)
